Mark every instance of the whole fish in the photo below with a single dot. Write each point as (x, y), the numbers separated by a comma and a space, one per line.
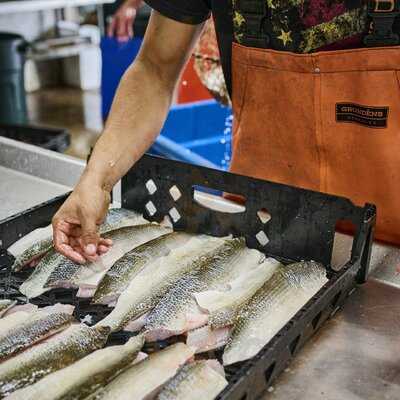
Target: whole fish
(271, 307)
(177, 312)
(55, 270)
(151, 284)
(203, 380)
(6, 305)
(34, 328)
(126, 268)
(84, 377)
(142, 380)
(34, 245)
(49, 356)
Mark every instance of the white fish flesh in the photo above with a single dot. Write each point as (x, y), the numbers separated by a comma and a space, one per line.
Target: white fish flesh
(151, 284)
(222, 305)
(271, 307)
(178, 312)
(144, 379)
(84, 377)
(203, 380)
(34, 328)
(35, 244)
(126, 268)
(205, 338)
(51, 355)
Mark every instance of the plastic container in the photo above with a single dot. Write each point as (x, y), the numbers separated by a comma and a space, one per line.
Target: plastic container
(47, 138)
(12, 90)
(201, 129)
(304, 229)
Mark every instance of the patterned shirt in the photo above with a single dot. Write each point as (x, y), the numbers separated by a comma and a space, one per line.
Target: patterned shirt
(300, 26)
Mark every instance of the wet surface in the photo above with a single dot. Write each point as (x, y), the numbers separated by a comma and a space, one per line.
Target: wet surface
(77, 111)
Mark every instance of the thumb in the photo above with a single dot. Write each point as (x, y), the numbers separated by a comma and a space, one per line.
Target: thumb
(90, 237)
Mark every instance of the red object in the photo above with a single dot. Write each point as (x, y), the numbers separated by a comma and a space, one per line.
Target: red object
(190, 87)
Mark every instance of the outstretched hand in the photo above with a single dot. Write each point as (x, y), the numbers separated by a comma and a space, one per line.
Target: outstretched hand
(75, 225)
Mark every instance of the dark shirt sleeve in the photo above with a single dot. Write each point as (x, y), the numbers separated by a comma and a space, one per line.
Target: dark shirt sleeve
(187, 11)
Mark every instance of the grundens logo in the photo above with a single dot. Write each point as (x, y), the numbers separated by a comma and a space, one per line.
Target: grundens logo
(369, 116)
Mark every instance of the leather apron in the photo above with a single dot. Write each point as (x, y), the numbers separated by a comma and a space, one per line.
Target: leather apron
(326, 121)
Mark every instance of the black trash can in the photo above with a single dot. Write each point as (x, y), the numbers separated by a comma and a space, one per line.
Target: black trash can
(12, 90)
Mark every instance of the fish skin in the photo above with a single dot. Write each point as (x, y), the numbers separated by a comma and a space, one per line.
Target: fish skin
(177, 312)
(222, 306)
(124, 240)
(38, 242)
(271, 307)
(6, 305)
(126, 268)
(149, 286)
(37, 327)
(142, 380)
(49, 356)
(203, 380)
(55, 266)
(85, 376)
(34, 286)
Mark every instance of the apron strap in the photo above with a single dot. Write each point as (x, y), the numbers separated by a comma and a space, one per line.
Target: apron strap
(383, 14)
(255, 13)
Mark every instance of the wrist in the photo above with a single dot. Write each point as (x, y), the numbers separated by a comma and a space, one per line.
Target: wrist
(95, 180)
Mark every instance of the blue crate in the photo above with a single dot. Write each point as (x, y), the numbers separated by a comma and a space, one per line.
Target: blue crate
(193, 132)
(200, 129)
(116, 58)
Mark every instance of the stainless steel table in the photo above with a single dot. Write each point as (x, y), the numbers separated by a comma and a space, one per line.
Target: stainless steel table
(355, 356)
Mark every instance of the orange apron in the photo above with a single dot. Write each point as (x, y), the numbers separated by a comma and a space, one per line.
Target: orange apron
(327, 121)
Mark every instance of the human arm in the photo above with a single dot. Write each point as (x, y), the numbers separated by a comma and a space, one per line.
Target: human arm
(137, 115)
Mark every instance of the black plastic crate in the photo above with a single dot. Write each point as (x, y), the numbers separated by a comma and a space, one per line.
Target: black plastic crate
(45, 137)
(302, 227)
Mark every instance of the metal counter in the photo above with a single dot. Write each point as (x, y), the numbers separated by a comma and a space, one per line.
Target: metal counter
(354, 356)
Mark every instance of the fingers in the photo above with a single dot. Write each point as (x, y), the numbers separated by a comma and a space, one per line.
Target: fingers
(112, 27)
(62, 242)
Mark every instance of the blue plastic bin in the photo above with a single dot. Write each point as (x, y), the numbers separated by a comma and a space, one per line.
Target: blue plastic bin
(201, 129)
(196, 132)
(116, 58)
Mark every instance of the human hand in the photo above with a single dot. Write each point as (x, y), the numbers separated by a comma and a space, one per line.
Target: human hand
(75, 225)
(121, 25)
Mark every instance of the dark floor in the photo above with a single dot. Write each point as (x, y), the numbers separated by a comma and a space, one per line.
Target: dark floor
(77, 111)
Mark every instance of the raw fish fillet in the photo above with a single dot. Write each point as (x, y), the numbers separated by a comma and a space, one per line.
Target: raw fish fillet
(203, 380)
(126, 268)
(151, 284)
(177, 312)
(34, 328)
(144, 379)
(85, 376)
(271, 307)
(51, 355)
(206, 339)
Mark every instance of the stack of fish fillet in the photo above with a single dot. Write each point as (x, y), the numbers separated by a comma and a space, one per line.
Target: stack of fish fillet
(210, 292)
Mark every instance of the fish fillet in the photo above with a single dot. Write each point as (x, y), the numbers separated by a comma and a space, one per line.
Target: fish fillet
(6, 305)
(60, 271)
(144, 379)
(38, 242)
(126, 268)
(124, 240)
(205, 339)
(271, 307)
(34, 328)
(203, 380)
(49, 356)
(178, 312)
(222, 305)
(84, 377)
(149, 286)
